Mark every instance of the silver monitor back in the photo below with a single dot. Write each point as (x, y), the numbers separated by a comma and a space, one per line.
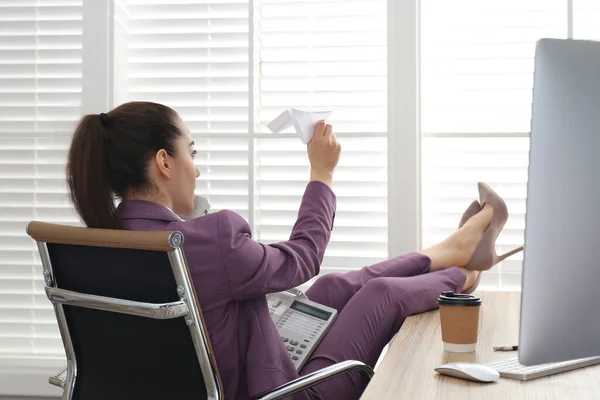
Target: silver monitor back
(560, 300)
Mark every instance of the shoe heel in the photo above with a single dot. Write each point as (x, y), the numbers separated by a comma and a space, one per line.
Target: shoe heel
(508, 254)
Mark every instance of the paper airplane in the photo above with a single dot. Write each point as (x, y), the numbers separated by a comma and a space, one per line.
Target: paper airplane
(303, 121)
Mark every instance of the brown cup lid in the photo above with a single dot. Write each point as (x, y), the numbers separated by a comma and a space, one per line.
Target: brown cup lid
(449, 298)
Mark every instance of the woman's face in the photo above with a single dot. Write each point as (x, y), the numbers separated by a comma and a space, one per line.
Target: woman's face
(184, 172)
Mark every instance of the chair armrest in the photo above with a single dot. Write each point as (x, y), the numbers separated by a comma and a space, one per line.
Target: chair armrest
(317, 377)
(59, 379)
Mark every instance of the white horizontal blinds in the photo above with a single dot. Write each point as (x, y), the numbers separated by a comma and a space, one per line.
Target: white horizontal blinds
(476, 80)
(451, 169)
(40, 65)
(223, 165)
(193, 57)
(360, 234)
(325, 55)
(32, 188)
(586, 19)
(477, 62)
(40, 99)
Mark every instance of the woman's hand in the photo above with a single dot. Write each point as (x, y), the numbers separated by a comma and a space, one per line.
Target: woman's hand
(323, 153)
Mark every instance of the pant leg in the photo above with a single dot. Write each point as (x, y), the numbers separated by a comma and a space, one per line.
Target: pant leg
(335, 290)
(368, 322)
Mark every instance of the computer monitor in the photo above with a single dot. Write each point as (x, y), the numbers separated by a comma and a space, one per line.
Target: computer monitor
(560, 299)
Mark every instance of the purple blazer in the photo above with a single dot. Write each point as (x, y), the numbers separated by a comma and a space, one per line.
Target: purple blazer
(232, 274)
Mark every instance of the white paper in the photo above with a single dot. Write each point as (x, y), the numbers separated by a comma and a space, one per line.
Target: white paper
(304, 122)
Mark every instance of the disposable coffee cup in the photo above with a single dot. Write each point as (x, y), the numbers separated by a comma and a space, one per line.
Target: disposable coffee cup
(459, 314)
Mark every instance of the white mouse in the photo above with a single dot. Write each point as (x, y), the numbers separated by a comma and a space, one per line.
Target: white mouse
(469, 371)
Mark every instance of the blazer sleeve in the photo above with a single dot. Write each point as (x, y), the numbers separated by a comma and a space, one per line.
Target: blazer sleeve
(254, 269)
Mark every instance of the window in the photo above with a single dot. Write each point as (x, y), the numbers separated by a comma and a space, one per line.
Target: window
(228, 67)
(40, 98)
(199, 59)
(477, 75)
(326, 55)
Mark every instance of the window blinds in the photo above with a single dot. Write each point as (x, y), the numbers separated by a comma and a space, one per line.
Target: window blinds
(199, 59)
(586, 15)
(40, 98)
(477, 75)
(193, 57)
(325, 55)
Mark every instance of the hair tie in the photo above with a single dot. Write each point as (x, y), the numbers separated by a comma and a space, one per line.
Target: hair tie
(104, 119)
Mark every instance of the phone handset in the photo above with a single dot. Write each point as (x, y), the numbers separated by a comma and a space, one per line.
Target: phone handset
(201, 208)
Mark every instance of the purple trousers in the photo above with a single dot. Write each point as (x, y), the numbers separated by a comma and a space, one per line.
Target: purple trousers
(372, 304)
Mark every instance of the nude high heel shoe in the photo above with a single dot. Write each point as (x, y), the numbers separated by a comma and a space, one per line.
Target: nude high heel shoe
(484, 257)
(473, 209)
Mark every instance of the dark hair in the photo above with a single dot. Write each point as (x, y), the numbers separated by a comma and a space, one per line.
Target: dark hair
(109, 155)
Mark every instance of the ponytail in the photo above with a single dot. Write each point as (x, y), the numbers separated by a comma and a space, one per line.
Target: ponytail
(109, 156)
(88, 175)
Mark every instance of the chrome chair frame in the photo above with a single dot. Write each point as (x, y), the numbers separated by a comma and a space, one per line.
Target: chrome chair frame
(187, 308)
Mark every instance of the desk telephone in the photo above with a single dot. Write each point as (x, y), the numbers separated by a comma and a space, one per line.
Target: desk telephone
(301, 323)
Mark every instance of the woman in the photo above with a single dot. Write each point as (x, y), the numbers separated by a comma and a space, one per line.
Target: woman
(143, 153)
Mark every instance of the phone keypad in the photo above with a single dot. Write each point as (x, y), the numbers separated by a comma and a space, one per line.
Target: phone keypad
(298, 331)
(294, 351)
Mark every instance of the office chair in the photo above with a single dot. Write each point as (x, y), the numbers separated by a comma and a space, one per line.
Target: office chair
(130, 320)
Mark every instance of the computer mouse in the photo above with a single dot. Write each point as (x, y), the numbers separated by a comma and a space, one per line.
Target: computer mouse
(469, 371)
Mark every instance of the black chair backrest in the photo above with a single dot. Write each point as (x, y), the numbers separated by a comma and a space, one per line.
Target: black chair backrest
(122, 356)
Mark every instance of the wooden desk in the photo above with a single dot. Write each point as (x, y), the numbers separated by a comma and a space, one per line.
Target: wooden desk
(407, 370)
